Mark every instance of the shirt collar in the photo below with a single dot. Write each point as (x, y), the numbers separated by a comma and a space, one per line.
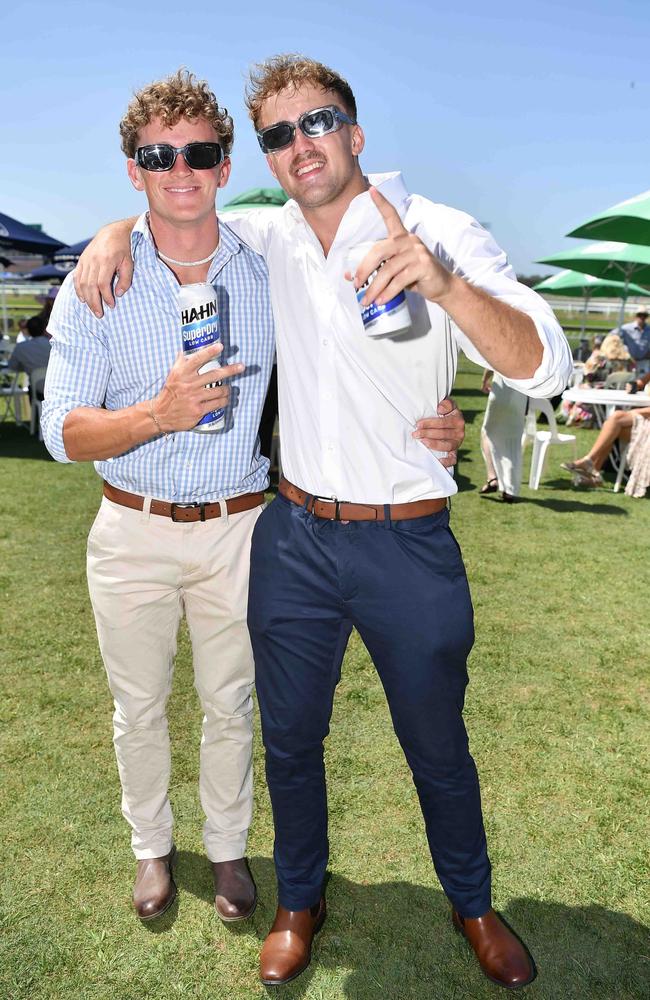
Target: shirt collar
(362, 221)
(142, 244)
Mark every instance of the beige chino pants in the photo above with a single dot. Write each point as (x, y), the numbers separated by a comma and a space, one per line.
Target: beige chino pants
(144, 571)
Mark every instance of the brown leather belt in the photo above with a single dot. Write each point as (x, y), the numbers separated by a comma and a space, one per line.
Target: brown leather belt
(341, 510)
(183, 511)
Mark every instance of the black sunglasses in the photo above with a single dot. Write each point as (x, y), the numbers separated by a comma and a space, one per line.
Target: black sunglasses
(313, 124)
(162, 156)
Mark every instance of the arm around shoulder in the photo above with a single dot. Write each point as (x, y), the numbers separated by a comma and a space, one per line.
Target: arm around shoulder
(107, 254)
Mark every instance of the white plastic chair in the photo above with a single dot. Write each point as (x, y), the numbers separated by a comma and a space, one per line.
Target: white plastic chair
(36, 378)
(622, 466)
(542, 438)
(13, 392)
(577, 375)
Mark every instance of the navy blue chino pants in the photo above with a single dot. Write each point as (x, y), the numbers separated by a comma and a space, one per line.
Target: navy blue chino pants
(402, 584)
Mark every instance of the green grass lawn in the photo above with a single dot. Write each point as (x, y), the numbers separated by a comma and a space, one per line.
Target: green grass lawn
(557, 713)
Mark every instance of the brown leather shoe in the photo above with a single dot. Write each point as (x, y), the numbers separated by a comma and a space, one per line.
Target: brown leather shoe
(154, 890)
(235, 893)
(287, 950)
(501, 955)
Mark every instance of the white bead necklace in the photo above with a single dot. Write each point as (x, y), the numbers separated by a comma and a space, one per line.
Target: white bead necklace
(188, 263)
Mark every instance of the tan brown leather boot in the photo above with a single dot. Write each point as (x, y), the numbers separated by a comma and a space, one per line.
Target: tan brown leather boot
(287, 950)
(235, 895)
(154, 890)
(501, 955)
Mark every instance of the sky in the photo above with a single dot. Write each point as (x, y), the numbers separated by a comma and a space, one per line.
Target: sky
(531, 116)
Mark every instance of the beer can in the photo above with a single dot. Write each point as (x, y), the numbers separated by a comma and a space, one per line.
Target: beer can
(392, 317)
(199, 315)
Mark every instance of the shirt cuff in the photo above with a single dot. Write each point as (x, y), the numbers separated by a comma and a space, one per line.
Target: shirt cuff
(52, 420)
(554, 371)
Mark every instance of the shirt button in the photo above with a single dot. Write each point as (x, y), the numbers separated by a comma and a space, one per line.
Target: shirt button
(325, 341)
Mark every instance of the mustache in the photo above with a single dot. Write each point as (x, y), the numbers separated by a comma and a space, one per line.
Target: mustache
(314, 154)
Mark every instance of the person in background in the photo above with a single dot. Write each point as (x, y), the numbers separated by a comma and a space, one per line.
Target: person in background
(608, 357)
(32, 353)
(47, 302)
(586, 471)
(501, 437)
(22, 330)
(636, 338)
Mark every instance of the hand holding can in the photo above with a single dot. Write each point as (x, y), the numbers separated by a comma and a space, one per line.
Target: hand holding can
(200, 328)
(392, 317)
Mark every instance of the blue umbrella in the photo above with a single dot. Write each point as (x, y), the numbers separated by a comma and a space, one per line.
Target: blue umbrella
(71, 253)
(16, 235)
(50, 272)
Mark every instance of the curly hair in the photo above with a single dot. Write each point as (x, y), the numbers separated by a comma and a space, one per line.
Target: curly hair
(178, 96)
(293, 71)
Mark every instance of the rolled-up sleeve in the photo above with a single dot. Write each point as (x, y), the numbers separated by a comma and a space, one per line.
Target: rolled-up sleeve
(78, 369)
(470, 251)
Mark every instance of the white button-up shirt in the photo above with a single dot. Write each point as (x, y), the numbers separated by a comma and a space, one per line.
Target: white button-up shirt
(349, 402)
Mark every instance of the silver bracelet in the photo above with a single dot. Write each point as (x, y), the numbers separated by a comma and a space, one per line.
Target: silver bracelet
(155, 419)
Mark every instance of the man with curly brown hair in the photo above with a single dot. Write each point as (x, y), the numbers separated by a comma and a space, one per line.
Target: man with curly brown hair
(172, 535)
(360, 536)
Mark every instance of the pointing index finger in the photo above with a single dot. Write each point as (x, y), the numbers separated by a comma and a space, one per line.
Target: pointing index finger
(388, 212)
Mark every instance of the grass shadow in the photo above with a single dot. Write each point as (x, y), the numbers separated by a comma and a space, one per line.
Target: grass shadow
(193, 874)
(470, 414)
(17, 442)
(468, 391)
(570, 506)
(559, 506)
(397, 941)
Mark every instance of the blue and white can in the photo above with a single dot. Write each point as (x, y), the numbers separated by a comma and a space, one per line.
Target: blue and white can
(391, 317)
(199, 314)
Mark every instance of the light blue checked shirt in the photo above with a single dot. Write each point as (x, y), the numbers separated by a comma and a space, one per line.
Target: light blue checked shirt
(125, 357)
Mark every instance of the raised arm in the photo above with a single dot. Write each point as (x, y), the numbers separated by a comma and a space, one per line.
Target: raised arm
(107, 254)
(496, 333)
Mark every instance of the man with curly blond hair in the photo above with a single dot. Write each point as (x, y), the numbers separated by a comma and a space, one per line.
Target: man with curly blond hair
(173, 532)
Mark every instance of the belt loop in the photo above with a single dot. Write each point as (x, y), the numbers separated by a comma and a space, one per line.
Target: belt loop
(308, 500)
(387, 521)
(146, 508)
(223, 507)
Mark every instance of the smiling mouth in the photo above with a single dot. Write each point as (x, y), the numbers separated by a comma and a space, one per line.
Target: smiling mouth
(181, 190)
(309, 168)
